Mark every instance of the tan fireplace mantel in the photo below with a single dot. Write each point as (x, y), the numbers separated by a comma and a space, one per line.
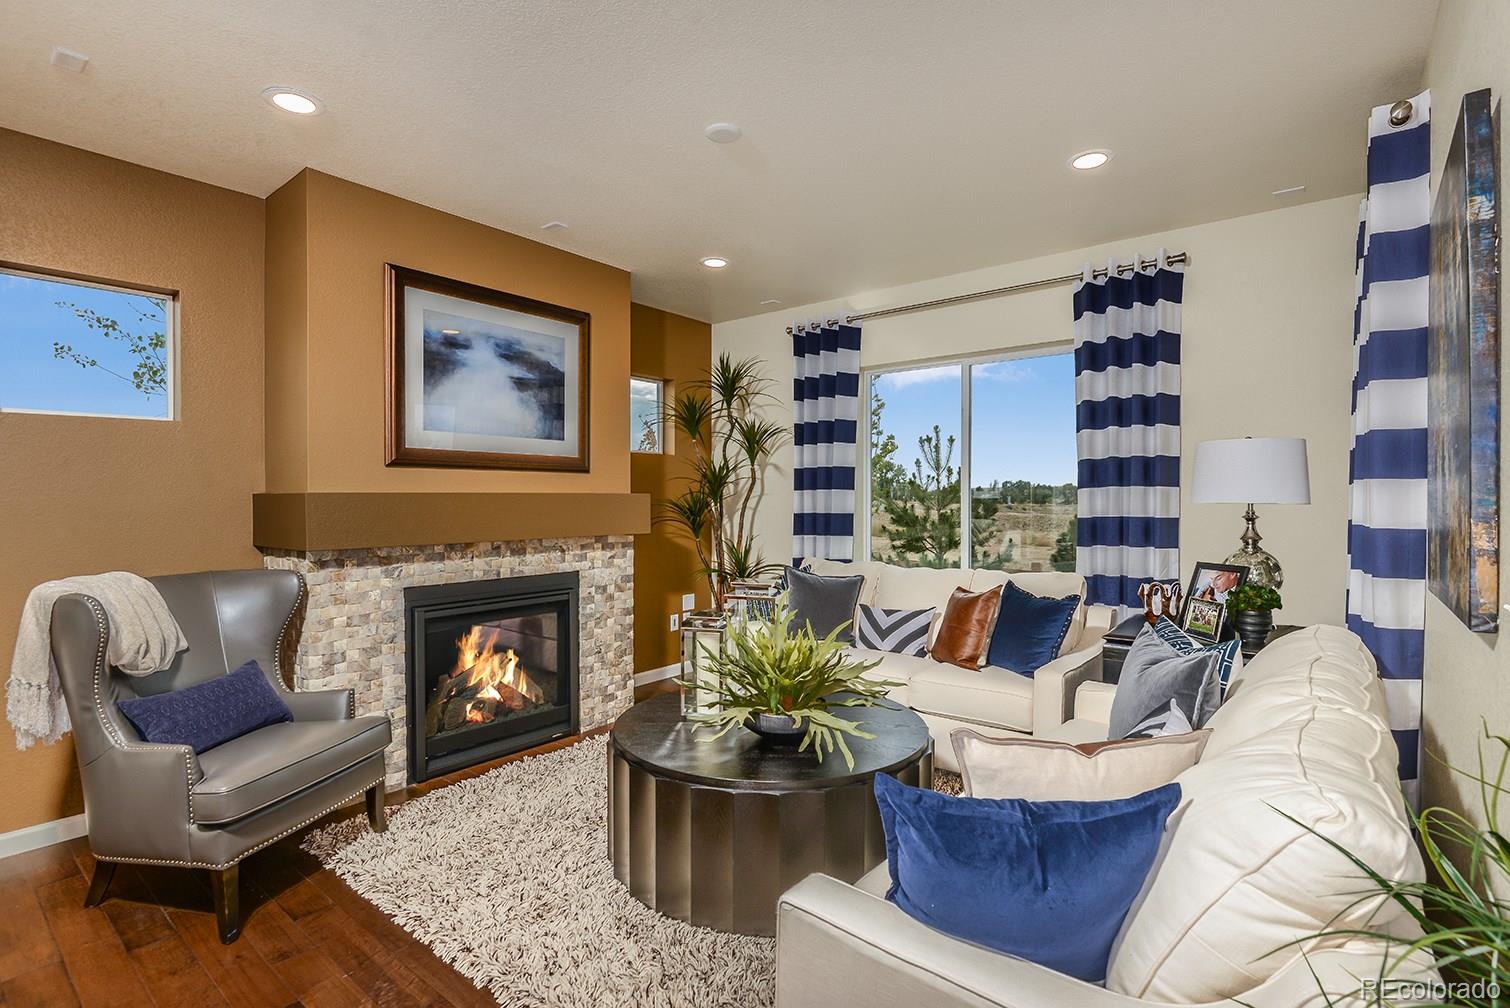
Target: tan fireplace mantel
(333, 521)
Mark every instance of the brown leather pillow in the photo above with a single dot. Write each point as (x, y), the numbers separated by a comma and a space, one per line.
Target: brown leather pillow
(965, 630)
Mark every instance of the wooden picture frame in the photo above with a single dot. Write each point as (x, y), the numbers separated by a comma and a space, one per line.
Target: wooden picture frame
(1203, 613)
(478, 378)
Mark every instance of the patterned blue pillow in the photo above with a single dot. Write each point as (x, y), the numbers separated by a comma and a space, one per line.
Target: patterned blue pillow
(1227, 651)
(204, 716)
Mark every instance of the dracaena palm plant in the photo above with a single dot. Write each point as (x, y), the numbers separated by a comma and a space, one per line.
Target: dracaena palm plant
(773, 667)
(719, 416)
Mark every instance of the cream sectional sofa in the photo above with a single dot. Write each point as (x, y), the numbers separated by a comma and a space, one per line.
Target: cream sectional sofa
(991, 700)
(1304, 731)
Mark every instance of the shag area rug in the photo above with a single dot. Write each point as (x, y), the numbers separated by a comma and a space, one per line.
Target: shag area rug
(506, 876)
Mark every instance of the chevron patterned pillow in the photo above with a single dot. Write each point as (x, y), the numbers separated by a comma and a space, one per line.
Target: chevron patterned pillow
(900, 631)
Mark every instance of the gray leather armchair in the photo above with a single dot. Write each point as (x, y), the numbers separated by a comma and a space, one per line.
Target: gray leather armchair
(162, 804)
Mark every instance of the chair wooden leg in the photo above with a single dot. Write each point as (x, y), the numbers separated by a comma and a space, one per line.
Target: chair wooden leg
(226, 883)
(377, 815)
(104, 871)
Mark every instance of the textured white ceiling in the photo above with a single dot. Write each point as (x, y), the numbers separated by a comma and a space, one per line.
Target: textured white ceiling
(885, 141)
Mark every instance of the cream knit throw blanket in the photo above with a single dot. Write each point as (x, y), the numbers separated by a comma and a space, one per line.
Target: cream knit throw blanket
(144, 638)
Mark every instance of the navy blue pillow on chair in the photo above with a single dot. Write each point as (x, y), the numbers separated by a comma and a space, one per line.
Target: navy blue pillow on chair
(1049, 882)
(205, 715)
(1029, 630)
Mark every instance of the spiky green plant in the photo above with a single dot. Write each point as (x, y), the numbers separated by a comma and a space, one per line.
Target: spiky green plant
(1463, 910)
(772, 667)
(731, 447)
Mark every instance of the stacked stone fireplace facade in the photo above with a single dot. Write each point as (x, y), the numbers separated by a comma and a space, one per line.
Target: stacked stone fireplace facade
(353, 629)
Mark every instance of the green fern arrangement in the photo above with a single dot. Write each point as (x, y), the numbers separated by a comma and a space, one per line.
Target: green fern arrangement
(772, 667)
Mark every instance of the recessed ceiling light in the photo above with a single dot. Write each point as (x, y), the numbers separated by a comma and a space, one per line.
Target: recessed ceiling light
(715, 262)
(450, 332)
(770, 302)
(1288, 192)
(293, 101)
(1086, 160)
(554, 225)
(67, 59)
(722, 132)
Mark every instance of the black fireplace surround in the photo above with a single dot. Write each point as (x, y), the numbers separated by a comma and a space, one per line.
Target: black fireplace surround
(492, 669)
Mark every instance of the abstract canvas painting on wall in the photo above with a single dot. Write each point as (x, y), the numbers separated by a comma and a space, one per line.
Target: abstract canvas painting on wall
(1464, 374)
(480, 378)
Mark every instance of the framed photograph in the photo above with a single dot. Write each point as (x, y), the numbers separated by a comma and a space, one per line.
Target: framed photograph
(1204, 611)
(1463, 374)
(483, 379)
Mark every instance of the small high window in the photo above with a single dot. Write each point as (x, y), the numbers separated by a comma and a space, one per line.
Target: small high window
(647, 429)
(85, 348)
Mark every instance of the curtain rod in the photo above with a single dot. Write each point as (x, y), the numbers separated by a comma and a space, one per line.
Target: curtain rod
(1173, 257)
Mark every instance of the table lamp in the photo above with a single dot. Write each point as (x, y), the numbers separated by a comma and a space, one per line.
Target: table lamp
(1253, 471)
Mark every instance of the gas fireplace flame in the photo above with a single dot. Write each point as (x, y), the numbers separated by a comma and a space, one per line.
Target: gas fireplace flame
(489, 668)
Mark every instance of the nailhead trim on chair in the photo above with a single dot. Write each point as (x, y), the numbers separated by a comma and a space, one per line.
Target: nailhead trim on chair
(272, 840)
(102, 628)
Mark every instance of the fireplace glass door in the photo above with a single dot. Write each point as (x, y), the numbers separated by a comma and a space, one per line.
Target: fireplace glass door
(493, 670)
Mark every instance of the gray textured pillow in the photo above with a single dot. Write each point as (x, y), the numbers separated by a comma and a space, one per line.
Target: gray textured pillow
(1161, 685)
(824, 602)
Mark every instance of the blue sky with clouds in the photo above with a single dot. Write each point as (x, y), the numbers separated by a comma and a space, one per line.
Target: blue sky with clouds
(1024, 415)
(32, 378)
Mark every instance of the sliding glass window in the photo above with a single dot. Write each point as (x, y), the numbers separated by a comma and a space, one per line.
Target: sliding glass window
(992, 438)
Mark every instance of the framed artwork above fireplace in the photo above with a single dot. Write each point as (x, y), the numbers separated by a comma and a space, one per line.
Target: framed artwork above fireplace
(483, 379)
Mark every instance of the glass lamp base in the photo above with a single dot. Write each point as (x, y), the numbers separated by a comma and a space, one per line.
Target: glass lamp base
(1263, 569)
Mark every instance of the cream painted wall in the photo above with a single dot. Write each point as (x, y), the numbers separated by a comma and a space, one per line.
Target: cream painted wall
(1467, 680)
(1267, 351)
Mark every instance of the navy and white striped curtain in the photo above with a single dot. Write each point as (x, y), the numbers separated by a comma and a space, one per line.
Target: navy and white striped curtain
(1386, 533)
(1127, 429)
(826, 410)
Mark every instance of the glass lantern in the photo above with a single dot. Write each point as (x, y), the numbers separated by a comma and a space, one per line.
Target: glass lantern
(702, 633)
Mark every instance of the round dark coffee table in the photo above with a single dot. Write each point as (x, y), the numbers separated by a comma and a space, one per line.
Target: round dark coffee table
(714, 832)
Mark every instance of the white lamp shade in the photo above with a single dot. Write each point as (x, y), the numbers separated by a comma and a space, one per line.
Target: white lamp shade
(1252, 471)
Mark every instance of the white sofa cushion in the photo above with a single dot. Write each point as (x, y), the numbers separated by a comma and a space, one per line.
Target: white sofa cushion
(992, 696)
(1041, 770)
(1307, 734)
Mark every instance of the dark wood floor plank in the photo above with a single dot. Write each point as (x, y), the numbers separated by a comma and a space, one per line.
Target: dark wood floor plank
(25, 941)
(103, 975)
(46, 986)
(337, 992)
(173, 977)
(72, 923)
(244, 978)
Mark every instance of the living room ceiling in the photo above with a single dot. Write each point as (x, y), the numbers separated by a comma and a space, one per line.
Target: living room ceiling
(884, 141)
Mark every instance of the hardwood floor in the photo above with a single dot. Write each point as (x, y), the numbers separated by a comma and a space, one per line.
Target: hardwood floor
(307, 939)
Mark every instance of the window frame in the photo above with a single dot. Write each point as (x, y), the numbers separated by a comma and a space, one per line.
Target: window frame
(965, 362)
(170, 334)
(663, 429)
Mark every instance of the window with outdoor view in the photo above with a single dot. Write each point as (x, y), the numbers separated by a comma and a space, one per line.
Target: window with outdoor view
(70, 346)
(647, 431)
(1014, 475)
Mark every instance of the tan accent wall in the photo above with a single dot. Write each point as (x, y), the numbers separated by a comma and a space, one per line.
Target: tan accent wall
(330, 239)
(1466, 685)
(80, 495)
(676, 349)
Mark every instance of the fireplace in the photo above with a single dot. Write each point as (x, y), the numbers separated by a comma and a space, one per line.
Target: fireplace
(492, 669)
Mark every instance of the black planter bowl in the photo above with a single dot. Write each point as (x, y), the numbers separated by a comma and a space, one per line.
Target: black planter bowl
(1253, 627)
(777, 729)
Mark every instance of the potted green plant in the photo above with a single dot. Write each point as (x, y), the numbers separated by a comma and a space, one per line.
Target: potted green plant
(784, 683)
(1252, 607)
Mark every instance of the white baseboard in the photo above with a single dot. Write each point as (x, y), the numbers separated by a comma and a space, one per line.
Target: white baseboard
(656, 675)
(42, 835)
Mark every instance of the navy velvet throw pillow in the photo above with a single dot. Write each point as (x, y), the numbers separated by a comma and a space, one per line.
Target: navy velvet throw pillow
(1049, 882)
(1029, 630)
(204, 716)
